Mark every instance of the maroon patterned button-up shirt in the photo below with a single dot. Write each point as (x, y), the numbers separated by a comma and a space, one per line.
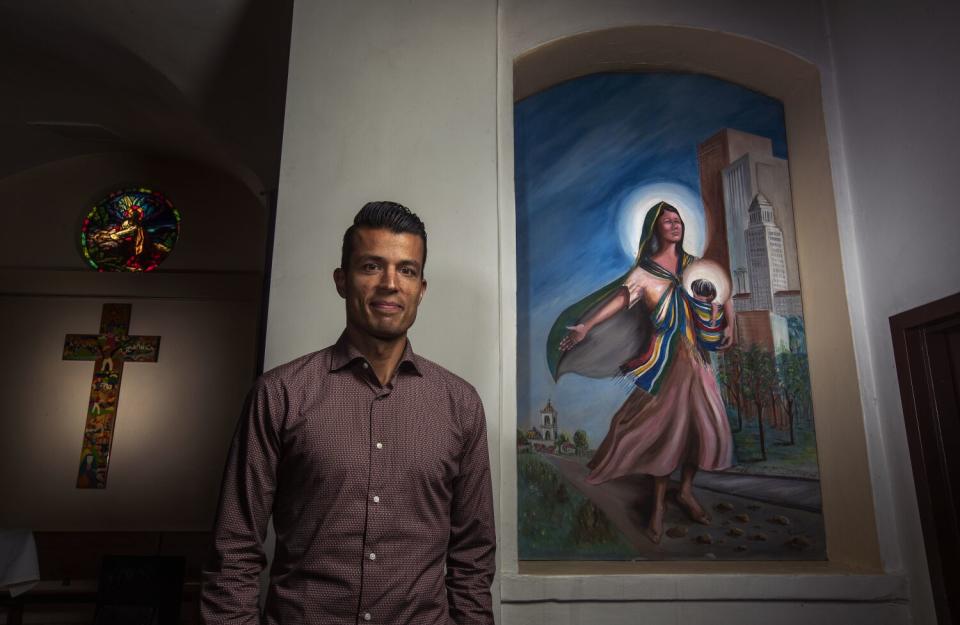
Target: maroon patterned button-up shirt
(380, 495)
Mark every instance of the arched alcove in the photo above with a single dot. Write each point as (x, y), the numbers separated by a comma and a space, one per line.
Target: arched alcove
(846, 489)
(204, 302)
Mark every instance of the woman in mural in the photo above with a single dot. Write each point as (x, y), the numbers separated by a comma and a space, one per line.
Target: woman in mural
(675, 418)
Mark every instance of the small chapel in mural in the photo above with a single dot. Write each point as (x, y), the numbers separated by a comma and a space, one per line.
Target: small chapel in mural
(664, 407)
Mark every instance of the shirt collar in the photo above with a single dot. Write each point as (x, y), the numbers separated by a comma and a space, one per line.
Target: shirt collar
(344, 354)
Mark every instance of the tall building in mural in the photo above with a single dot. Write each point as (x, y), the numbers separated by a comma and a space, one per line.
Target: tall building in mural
(751, 172)
(764, 328)
(714, 157)
(788, 303)
(765, 256)
(747, 188)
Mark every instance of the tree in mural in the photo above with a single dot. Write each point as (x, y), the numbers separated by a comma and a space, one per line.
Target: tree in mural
(759, 384)
(794, 382)
(729, 375)
(521, 438)
(581, 442)
(797, 333)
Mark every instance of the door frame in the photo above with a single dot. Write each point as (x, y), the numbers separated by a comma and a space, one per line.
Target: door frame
(924, 421)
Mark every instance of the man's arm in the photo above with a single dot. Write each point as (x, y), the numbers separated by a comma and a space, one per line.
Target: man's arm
(231, 579)
(471, 554)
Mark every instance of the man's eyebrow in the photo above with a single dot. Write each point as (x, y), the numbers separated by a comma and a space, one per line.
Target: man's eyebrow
(364, 257)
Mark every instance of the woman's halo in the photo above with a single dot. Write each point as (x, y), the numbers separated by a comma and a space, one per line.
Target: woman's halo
(634, 207)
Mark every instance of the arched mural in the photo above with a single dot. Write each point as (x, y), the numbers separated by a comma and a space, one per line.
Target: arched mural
(681, 384)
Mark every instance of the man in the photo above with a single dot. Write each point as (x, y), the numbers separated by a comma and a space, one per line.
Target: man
(372, 460)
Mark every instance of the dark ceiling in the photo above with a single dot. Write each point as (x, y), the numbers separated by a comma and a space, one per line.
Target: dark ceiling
(203, 81)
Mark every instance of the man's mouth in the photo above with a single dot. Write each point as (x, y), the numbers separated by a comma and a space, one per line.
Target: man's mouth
(386, 306)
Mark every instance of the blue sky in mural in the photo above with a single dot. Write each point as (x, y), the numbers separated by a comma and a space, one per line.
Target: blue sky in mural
(585, 150)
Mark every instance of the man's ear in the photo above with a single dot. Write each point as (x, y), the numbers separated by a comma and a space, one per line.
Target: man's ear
(340, 279)
(423, 291)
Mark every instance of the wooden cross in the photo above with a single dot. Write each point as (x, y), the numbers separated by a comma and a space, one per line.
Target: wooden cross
(109, 350)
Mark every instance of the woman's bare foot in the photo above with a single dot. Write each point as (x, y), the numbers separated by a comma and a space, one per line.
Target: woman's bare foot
(692, 507)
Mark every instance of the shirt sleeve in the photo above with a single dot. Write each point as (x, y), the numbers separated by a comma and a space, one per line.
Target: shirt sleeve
(231, 578)
(471, 554)
(633, 285)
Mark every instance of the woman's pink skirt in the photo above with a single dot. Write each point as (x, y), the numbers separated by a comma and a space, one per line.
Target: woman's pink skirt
(684, 423)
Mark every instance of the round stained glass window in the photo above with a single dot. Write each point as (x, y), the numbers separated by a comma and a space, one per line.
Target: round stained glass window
(130, 230)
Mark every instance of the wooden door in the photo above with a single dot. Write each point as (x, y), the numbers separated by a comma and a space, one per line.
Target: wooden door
(926, 344)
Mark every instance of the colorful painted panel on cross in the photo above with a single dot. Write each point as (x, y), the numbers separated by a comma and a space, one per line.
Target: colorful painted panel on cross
(108, 350)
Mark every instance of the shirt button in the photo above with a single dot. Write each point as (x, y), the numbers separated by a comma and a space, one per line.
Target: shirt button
(373, 556)
(376, 499)
(379, 445)
(366, 616)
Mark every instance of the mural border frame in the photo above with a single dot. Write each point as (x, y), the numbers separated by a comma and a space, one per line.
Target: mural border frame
(852, 544)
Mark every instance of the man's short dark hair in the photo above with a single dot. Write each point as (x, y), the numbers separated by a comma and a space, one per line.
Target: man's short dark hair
(394, 217)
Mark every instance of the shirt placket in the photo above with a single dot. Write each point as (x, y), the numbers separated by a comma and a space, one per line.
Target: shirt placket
(380, 449)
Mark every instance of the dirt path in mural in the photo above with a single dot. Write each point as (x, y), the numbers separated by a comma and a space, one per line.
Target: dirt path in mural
(780, 518)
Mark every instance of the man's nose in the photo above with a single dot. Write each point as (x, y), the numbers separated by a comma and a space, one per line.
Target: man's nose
(388, 279)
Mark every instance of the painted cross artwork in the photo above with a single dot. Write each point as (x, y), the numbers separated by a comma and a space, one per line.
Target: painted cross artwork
(663, 397)
(108, 350)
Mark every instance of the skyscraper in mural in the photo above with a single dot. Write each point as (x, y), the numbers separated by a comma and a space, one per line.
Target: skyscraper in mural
(748, 188)
(734, 167)
(765, 255)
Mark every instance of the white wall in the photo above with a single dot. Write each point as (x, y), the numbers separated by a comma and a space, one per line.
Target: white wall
(392, 101)
(413, 103)
(896, 161)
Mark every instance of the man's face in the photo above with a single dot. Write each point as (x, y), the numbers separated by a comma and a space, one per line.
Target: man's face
(383, 282)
